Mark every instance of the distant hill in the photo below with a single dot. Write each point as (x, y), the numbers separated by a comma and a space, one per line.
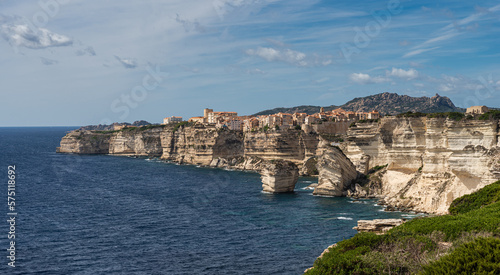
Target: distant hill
(385, 103)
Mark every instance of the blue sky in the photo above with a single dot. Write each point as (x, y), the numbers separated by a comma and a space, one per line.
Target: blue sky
(75, 62)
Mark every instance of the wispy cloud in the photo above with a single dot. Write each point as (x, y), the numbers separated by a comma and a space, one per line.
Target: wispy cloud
(450, 31)
(86, 51)
(419, 51)
(128, 63)
(46, 61)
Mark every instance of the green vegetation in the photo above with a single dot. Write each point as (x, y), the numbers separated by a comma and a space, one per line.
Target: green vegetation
(488, 195)
(481, 256)
(493, 114)
(377, 168)
(179, 125)
(368, 120)
(106, 132)
(466, 242)
(297, 127)
(332, 137)
(457, 116)
(353, 125)
(266, 128)
(276, 127)
(151, 126)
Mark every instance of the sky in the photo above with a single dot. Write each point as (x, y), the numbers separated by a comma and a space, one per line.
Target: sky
(76, 62)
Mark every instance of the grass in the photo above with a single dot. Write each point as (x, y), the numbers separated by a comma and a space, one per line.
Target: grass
(416, 247)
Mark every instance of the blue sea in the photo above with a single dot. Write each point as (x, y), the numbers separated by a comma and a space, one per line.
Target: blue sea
(100, 214)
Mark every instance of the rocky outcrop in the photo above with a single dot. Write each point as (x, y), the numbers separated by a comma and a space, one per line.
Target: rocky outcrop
(279, 176)
(431, 161)
(84, 142)
(336, 173)
(200, 145)
(378, 226)
(136, 143)
(287, 144)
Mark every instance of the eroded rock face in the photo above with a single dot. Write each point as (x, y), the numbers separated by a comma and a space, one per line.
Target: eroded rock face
(84, 142)
(136, 143)
(336, 173)
(378, 226)
(279, 176)
(431, 161)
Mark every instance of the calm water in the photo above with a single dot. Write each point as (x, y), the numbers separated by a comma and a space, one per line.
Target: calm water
(115, 215)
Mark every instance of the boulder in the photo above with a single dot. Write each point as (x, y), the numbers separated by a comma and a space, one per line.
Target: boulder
(378, 226)
(279, 176)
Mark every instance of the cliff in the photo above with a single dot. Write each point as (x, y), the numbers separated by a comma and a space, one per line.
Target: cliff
(420, 163)
(199, 145)
(336, 173)
(431, 161)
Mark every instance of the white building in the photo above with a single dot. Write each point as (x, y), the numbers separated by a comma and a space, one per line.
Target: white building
(172, 119)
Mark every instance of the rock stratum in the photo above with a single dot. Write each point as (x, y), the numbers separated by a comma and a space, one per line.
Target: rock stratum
(415, 163)
(430, 161)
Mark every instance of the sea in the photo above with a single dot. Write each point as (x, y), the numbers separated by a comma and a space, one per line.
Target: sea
(103, 214)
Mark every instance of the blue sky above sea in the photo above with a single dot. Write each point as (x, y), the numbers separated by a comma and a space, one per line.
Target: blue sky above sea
(75, 62)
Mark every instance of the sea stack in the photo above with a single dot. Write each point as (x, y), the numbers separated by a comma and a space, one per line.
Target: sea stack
(336, 173)
(279, 176)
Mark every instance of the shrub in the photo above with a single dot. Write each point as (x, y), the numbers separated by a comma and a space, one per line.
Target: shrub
(487, 195)
(481, 256)
(297, 127)
(493, 114)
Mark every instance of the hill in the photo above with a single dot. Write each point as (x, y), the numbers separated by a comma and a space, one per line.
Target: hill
(385, 103)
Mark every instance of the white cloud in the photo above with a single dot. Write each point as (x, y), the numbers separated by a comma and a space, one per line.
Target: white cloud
(128, 63)
(362, 78)
(401, 73)
(289, 56)
(21, 35)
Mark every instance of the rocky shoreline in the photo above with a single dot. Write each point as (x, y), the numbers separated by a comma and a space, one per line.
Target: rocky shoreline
(410, 163)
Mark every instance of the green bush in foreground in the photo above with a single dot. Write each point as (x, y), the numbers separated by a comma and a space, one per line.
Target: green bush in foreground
(481, 256)
(487, 195)
(417, 245)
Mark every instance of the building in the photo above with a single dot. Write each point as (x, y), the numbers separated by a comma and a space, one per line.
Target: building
(197, 119)
(214, 117)
(362, 115)
(250, 124)
(299, 118)
(286, 119)
(373, 115)
(311, 119)
(477, 110)
(235, 124)
(172, 119)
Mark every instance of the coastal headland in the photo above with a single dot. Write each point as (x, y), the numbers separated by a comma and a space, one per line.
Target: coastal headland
(419, 163)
